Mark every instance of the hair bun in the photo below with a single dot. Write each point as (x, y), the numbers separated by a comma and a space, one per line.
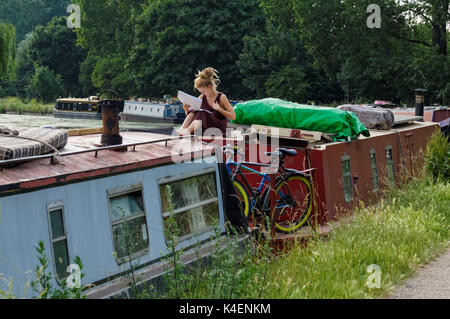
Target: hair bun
(207, 76)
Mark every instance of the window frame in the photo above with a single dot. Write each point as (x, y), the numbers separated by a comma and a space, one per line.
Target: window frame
(390, 162)
(376, 186)
(168, 180)
(53, 207)
(345, 175)
(120, 191)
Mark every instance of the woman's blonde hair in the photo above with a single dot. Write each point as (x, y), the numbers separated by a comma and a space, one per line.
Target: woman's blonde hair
(206, 78)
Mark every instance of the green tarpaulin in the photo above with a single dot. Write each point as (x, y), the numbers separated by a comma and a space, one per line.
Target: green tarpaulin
(279, 113)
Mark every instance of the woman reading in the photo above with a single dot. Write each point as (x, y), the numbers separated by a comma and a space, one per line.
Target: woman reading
(215, 109)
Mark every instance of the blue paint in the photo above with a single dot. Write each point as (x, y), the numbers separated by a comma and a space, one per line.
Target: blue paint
(24, 222)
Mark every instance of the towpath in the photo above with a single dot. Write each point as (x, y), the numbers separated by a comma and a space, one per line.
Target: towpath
(431, 281)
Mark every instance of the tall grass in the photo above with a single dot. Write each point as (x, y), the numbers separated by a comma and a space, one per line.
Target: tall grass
(408, 227)
(15, 105)
(405, 229)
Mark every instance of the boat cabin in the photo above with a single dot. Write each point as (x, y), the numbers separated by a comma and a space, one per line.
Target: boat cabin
(87, 202)
(138, 111)
(78, 108)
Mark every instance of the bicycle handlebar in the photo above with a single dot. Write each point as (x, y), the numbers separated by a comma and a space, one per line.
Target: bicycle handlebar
(229, 149)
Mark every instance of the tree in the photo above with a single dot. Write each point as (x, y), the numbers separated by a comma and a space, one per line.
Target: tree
(7, 50)
(25, 69)
(25, 15)
(107, 29)
(48, 85)
(386, 62)
(275, 63)
(54, 46)
(176, 38)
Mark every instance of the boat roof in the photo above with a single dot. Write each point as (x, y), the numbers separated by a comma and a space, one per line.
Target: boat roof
(312, 138)
(82, 158)
(77, 100)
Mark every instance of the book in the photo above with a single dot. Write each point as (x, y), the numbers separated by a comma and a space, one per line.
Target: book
(194, 102)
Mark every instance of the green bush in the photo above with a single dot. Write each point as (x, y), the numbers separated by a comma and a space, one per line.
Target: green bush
(47, 84)
(437, 156)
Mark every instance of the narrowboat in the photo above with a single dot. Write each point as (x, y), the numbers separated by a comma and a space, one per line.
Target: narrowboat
(80, 202)
(78, 108)
(155, 112)
(343, 173)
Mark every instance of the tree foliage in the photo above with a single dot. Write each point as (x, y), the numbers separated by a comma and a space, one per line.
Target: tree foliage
(25, 15)
(387, 62)
(107, 33)
(54, 46)
(47, 85)
(275, 63)
(175, 38)
(300, 50)
(7, 50)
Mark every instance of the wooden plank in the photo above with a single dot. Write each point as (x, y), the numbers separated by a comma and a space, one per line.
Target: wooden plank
(85, 131)
(287, 133)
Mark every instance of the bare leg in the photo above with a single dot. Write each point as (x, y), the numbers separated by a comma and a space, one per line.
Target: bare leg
(187, 122)
(195, 126)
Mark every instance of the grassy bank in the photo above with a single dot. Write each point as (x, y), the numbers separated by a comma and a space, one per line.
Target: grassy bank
(406, 229)
(15, 105)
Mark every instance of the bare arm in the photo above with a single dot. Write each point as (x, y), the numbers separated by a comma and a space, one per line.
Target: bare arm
(225, 107)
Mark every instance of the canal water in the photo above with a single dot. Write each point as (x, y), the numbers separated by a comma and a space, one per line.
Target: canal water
(14, 120)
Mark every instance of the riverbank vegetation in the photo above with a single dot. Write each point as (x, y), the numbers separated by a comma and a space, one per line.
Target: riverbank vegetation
(298, 50)
(366, 258)
(18, 106)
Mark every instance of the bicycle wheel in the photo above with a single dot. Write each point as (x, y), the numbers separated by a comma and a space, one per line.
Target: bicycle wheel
(293, 203)
(243, 197)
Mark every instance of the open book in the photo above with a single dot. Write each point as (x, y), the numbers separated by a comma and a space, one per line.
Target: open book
(194, 102)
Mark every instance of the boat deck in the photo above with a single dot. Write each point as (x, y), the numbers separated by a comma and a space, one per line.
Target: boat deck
(83, 158)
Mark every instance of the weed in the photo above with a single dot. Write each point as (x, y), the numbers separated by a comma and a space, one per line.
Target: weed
(437, 156)
(42, 284)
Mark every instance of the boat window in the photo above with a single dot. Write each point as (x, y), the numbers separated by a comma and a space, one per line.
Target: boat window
(347, 179)
(192, 202)
(390, 163)
(59, 241)
(374, 170)
(129, 225)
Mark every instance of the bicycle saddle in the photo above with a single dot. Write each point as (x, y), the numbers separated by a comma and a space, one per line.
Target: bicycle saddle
(283, 152)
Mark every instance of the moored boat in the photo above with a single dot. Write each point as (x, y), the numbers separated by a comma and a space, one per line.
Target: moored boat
(82, 205)
(78, 108)
(155, 112)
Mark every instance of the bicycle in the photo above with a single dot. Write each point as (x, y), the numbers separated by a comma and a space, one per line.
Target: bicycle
(293, 191)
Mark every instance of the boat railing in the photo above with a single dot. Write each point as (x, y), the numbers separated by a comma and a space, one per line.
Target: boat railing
(53, 157)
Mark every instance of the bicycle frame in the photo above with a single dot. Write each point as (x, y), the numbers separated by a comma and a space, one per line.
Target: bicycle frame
(281, 176)
(264, 181)
(282, 172)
